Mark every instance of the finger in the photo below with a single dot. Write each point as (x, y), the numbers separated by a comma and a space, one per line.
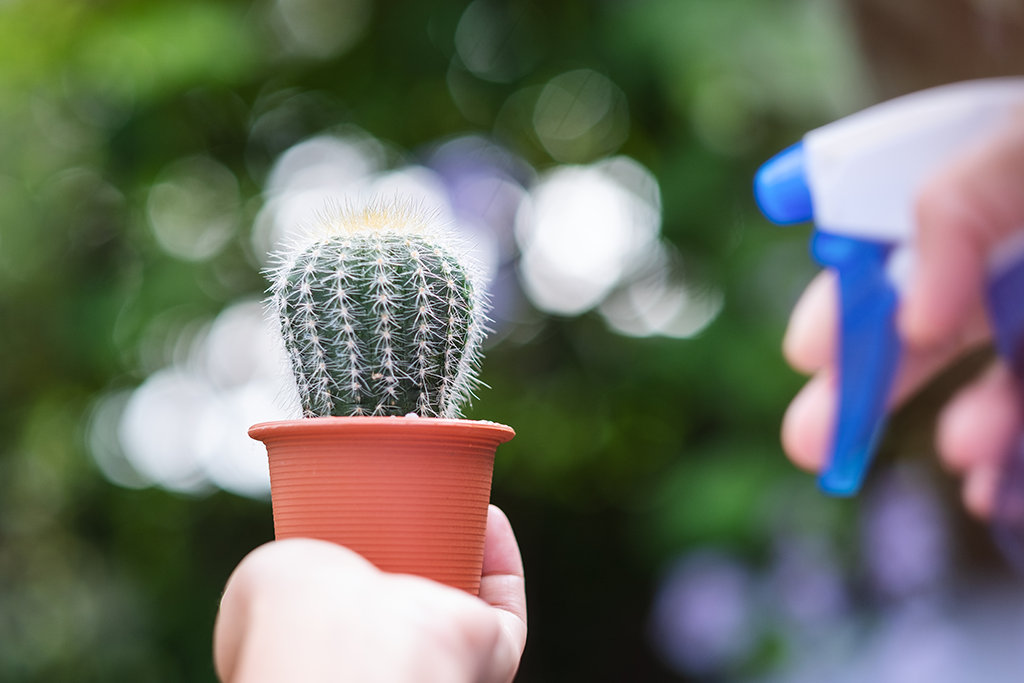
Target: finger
(807, 425)
(229, 630)
(920, 365)
(961, 215)
(976, 429)
(503, 586)
(501, 552)
(979, 490)
(810, 339)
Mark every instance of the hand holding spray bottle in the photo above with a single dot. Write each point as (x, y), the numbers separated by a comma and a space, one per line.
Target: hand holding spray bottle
(858, 179)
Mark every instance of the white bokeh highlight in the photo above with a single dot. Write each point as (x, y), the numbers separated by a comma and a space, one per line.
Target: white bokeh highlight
(583, 229)
(304, 182)
(194, 208)
(492, 41)
(590, 237)
(660, 302)
(158, 432)
(319, 29)
(185, 428)
(580, 115)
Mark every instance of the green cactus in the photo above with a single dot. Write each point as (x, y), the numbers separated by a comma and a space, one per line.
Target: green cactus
(382, 313)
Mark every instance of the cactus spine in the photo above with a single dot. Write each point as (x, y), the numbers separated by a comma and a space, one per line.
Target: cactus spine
(382, 313)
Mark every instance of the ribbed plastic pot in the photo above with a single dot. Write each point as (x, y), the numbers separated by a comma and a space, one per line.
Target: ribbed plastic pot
(410, 494)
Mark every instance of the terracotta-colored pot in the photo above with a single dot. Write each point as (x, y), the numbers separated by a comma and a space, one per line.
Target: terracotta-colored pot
(408, 494)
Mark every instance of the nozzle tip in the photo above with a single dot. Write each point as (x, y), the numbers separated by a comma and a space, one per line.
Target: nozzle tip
(780, 187)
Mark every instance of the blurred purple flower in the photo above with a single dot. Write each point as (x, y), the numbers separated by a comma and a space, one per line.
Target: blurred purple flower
(485, 184)
(904, 534)
(808, 582)
(702, 614)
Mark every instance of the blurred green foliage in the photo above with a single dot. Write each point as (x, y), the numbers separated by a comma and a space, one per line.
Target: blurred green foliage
(629, 451)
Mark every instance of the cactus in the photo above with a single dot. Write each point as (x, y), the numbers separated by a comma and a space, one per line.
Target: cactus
(382, 313)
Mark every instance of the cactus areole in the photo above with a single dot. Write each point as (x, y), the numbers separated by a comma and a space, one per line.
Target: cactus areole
(381, 313)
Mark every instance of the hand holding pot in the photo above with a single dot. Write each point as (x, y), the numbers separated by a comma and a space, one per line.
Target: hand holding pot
(963, 214)
(307, 610)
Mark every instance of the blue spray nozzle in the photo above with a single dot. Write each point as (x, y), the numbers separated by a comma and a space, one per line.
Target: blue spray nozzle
(780, 187)
(869, 347)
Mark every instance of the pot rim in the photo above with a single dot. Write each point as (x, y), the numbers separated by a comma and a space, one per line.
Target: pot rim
(361, 424)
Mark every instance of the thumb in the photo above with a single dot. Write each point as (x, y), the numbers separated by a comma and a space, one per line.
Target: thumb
(503, 587)
(962, 213)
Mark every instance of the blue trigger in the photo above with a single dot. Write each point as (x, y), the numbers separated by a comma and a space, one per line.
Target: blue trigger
(869, 351)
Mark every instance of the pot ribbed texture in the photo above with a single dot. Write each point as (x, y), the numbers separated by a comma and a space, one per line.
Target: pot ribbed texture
(408, 494)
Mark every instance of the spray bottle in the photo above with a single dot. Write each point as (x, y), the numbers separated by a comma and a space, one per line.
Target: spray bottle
(858, 179)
